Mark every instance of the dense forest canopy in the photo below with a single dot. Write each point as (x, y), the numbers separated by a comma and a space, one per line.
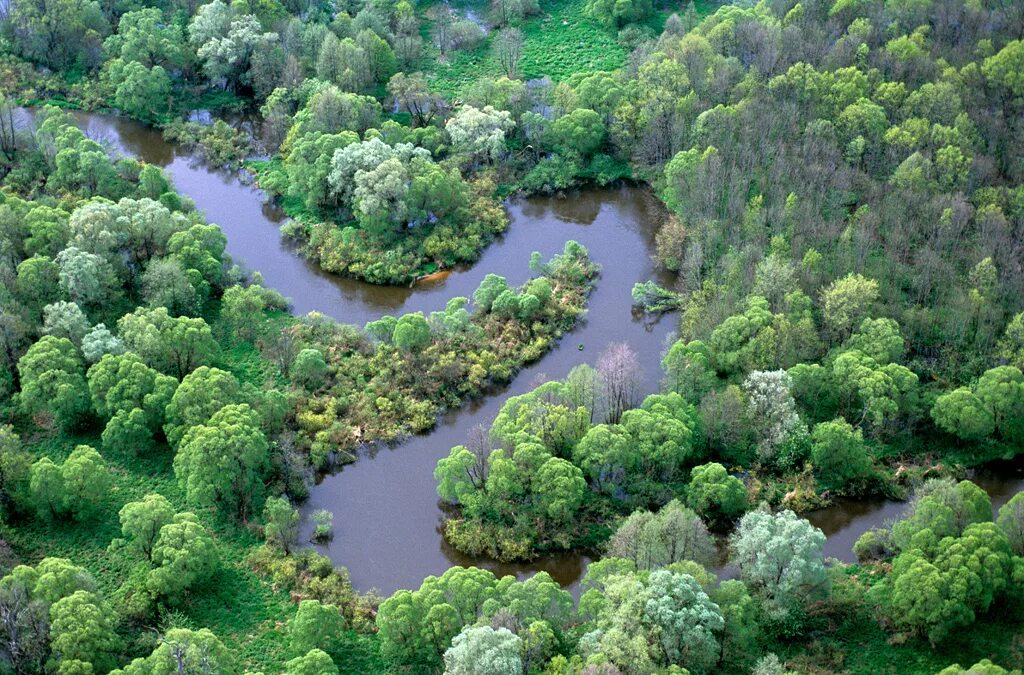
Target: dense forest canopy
(843, 183)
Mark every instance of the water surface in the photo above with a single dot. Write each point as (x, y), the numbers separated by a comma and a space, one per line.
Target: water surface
(387, 515)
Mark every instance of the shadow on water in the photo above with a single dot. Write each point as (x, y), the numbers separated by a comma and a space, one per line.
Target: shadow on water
(387, 515)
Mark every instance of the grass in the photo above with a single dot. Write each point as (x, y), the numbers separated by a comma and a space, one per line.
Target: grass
(560, 41)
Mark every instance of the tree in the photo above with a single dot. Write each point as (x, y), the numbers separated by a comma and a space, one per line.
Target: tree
(46, 488)
(86, 482)
(839, 454)
(688, 369)
(417, 627)
(139, 91)
(120, 384)
(222, 462)
(316, 626)
(509, 46)
(782, 435)
(199, 396)
(780, 557)
(412, 332)
(172, 345)
(480, 133)
(1001, 390)
(66, 320)
(847, 301)
(183, 650)
(52, 380)
(242, 308)
(142, 521)
(618, 372)
(715, 495)
(654, 540)
(85, 277)
(1004, 68)
(941, 508)
(878, 338)
(166, 284)
(313, 662)
(961, 413)
(581, 131)
(24, 627)
(935, 592)
(413, 95)
(684, 619)
(98, 342)
(483, 650)
(57, 33)
(37, 282)
(78, 487)
(184, 556)
(1011, 521)
(281, 524)
(82, 629)
(15, 468)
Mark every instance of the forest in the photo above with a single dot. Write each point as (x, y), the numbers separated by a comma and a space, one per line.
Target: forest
(837, 251)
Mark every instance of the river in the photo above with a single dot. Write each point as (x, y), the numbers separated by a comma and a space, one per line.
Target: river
(387, 515)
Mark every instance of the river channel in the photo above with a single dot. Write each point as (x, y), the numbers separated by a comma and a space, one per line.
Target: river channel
(386, 512)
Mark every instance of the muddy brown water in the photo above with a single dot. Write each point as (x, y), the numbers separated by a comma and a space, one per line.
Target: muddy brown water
(386, 512)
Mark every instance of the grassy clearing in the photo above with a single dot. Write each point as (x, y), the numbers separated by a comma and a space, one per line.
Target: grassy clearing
(559, 42)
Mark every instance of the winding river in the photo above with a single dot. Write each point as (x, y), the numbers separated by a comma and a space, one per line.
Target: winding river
(387, 515)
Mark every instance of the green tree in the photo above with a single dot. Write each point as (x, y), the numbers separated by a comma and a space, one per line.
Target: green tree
(281, 524)
(53, 380)
(839, 454)
(82, 628)
(1001, 390)
(653, 540)
(199, 396)
(165, 283)
(941, 508)
(15, 469)
(46, 488)
(688, 369)
(1011, 521)
(142, 521)
(1004, 68)
(313, 662)
(846, 302)
(223, 461)
(242, 308)
(184, 556)
(86, 482)
(183, 650)
(412, 332)
(961, 413)
(316, 626)
(309, 368)
(37, 282)
(581, 131)
(938, 592)
(139, 91)
(716, 496)
(173, 345)
(122, 383)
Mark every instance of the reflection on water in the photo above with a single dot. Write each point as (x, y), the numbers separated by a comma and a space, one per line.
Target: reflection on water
(387, 517)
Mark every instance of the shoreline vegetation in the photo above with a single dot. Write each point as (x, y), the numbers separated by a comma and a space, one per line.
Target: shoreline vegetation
(847, 201)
